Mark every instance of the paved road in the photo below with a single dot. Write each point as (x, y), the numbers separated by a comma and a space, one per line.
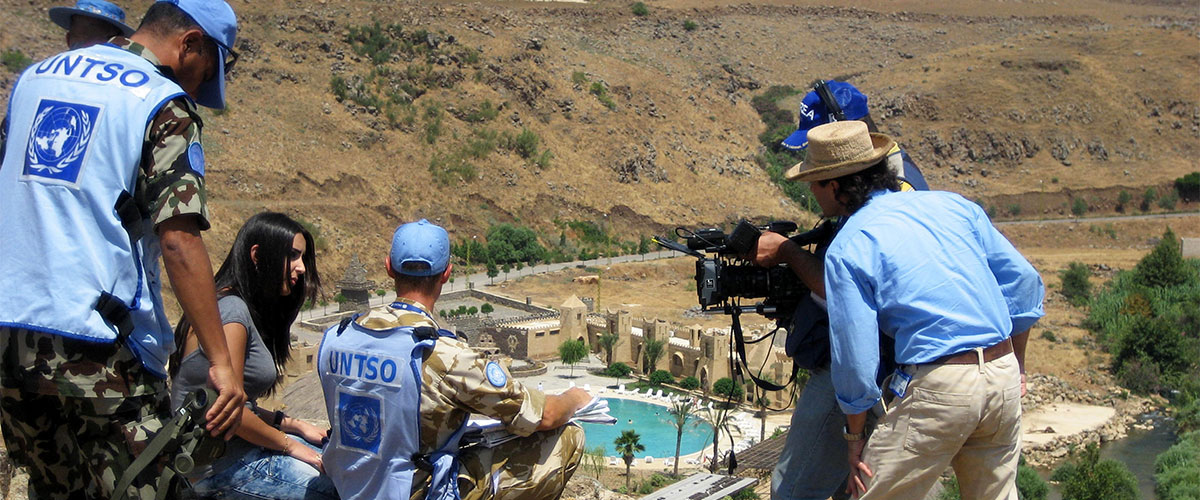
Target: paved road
(1098, 219)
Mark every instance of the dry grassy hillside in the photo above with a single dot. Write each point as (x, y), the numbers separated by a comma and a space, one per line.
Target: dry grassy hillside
(992, 98)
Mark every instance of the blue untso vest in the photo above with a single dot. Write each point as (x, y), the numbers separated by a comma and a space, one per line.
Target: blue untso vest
(77, 123)
(372, 385)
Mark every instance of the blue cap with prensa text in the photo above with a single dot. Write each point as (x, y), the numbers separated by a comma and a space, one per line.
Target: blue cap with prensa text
(813, 112)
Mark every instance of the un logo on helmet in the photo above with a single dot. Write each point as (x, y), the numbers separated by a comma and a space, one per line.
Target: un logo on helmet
(59, 140)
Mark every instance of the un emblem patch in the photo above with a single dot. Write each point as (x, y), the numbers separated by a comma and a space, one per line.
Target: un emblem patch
(360, 422)
(59, 140)
(196, 158)
(496, 375)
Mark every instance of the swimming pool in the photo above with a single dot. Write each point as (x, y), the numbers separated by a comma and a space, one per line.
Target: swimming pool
(651, 423)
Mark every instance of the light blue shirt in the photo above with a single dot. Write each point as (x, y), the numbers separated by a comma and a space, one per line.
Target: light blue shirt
(928, 269)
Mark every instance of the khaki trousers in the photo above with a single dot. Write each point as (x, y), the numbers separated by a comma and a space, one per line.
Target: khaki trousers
(964, 416)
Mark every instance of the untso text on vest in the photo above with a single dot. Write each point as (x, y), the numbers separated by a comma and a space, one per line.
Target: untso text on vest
(76, 131)
(372, 385)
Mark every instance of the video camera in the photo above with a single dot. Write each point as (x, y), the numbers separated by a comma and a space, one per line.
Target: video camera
(726, 276)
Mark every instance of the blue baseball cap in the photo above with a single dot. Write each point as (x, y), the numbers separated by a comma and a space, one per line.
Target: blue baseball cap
(217, 20)
(97, 9)
(423, 242)
(812, 111)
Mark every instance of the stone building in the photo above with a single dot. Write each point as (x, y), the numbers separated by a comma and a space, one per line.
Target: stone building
(355, 286)
(687, 352)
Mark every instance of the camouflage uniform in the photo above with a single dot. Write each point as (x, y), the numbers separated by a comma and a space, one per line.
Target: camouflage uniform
(454, 385)
(77, 413)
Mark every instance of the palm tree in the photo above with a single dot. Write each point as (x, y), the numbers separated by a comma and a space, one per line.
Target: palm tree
(652, 350)
(680, 417)
(628, 443)
(719, 417)
(608, 341)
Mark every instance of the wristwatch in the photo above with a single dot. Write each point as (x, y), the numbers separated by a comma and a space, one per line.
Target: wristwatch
(852, 436)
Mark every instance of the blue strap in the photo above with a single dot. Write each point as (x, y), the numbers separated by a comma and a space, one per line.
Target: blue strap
(443, 481)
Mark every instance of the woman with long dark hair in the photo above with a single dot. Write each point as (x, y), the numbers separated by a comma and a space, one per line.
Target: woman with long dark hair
(268, 275)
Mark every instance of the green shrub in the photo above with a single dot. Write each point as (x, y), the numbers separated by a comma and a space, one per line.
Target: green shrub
(485, 112)
(524, 144)
(1140, 376)
(618, 370)
(338, 86)
(1165, 266)
(1079, 206)
(1167, 202)
(690, 383)
(745, 494)
(690, 25)
(660, 377)
(15, 60)
(1014, 209)
(726, 387)
(481, 144)
(543, 160)
(1123, 199)
(1030, 485)
(1148, 198)
(450, 168)
(1076, 283)
(372, 42)
(579, 78)
(1188, 187)
(639, 9)
(1091, 478)
(1049, 336)
(1177, 470)
(433, 122)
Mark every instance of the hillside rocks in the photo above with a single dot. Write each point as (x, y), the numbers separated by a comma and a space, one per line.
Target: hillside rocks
(638, 163)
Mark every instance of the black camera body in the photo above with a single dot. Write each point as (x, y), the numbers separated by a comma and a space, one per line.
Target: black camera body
(723, 276)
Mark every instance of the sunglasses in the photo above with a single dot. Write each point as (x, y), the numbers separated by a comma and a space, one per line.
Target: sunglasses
(231, 57)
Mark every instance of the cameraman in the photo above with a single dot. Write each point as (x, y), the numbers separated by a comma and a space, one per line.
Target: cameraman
(811, 464)
(931, 272)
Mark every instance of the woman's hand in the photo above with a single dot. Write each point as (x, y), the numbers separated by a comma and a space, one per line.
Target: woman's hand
(304, 454)
(309, 432)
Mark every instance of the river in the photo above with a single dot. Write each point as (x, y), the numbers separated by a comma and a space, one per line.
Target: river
(1137, 451)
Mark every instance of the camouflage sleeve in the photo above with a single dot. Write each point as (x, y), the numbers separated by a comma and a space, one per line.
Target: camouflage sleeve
(499, 396)
(173, 164)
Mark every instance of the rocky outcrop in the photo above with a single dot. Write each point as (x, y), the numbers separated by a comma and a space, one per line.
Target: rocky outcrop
(1049, 390)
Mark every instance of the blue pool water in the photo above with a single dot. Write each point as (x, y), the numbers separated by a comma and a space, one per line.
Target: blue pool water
(657, 435)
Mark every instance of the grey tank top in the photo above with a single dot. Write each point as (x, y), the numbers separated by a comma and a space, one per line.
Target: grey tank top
(258, 375)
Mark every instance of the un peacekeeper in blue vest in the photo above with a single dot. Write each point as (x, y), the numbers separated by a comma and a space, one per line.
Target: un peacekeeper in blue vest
(90, 22)
(103, 172)
(812, 463)
(399, 390)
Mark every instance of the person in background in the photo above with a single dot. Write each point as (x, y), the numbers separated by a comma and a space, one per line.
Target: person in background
(929, 271)
(399, 391)
(103, 172)
(90, 22)
(268, 275)
(810, 464)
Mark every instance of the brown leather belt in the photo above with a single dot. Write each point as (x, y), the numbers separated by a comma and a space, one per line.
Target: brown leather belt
(970, 358)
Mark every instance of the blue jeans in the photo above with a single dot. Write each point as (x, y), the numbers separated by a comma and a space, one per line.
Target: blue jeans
(813, 464)
(267, 474)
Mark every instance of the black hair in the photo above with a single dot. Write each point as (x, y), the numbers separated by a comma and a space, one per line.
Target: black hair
(166, 18)
(259, 285)
(855, 189)
(410, 282)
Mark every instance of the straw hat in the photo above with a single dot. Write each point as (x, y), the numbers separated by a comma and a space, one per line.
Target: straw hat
(840, 148)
